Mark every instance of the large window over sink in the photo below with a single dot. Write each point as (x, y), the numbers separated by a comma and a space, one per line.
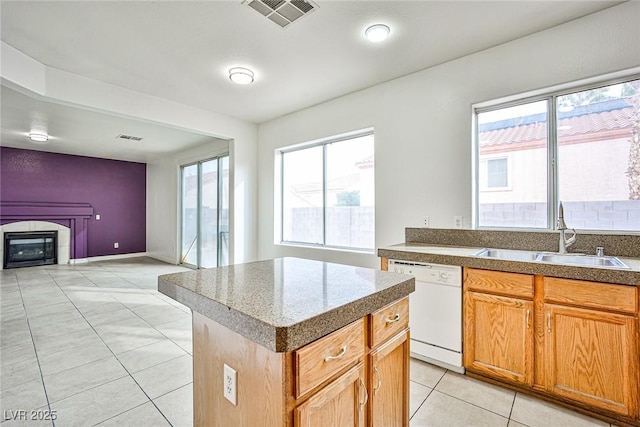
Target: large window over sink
(580, 146)
(327, 192)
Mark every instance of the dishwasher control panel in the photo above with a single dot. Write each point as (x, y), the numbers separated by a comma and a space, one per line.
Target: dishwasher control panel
(425, 272)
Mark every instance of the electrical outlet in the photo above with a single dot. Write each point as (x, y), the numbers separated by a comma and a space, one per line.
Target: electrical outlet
(116, 245)
(425, 221)
(98, 217)
(457, 221)
(230, 392)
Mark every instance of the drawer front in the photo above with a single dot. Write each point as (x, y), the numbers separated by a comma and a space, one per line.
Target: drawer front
(323, 358)
(389, 321)
(499, 282)
(604, 296)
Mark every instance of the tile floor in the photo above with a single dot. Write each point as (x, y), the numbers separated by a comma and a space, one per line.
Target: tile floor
(97, 345)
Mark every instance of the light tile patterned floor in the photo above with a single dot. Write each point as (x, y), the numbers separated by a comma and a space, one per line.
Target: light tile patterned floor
(97, 344)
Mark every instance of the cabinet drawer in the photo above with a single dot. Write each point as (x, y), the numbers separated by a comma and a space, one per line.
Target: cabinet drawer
(499, 282)
(604, 296)
(389, 321)
(320, 360)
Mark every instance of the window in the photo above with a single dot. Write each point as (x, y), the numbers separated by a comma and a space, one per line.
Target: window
(494, 174)
(581, 147)
(497, 173)
(328, 193)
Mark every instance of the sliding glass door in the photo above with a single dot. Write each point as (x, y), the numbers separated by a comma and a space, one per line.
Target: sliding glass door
(205, 213)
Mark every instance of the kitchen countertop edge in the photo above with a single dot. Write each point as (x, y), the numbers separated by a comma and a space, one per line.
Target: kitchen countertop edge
(465, 257)
(278, 338)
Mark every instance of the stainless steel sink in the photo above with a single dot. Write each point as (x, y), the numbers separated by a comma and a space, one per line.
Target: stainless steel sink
(582, 260)
(552, 258)
(509, 254)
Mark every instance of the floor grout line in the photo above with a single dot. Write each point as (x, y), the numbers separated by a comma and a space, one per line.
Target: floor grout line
(35, 350)
(116, 357)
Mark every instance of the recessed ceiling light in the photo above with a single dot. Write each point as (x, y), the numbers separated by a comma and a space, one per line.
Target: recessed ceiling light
(377, 33)
(38, 137)
(241, 76)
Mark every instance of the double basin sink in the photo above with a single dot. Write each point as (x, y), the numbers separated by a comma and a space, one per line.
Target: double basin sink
(553, 258)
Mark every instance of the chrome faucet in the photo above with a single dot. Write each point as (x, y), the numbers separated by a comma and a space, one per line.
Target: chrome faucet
(562, 227)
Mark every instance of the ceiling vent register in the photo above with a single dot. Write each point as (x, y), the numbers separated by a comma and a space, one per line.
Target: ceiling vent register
(282, 12)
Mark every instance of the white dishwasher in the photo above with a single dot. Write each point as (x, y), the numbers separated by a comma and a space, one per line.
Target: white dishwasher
(435, 312)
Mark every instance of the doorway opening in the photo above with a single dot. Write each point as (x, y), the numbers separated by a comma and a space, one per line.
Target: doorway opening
(205, 213)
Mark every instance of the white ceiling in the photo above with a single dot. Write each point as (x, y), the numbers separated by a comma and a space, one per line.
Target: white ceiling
(88, 133)
(181, 51)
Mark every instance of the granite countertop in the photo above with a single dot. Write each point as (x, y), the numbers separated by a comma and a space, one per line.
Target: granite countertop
(465, 257)
(285, 303)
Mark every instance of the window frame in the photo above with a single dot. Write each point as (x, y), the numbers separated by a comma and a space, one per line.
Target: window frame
(550, 95)
(280, 168)
(219, 158)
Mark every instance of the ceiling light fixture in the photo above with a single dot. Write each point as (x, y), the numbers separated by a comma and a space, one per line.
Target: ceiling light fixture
(38, 137)
(241, 76)
(377, 33)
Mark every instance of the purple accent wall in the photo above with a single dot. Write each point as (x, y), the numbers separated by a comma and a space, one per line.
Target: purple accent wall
(36, 185)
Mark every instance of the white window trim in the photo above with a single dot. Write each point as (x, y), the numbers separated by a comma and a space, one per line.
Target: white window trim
(279, 192)
(550, 93)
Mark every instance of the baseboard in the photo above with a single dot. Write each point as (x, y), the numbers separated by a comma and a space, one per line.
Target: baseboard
(108, 257)
(163, 259)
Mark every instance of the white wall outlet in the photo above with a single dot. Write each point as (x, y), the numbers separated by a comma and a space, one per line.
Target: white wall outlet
(230, 392)
(457, 221)
(116, 245)
(98, 217)
(425, 221)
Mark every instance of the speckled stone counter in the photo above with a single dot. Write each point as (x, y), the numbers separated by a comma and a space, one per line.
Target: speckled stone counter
(465, 257)
(285, 303)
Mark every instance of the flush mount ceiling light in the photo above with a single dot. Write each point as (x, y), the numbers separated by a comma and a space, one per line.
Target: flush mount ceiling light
(38, 136)
(241, 76)
(377, 33)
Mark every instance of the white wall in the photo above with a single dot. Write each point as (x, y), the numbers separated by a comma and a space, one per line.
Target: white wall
(422, 123)
(163, 178)
(23, 73)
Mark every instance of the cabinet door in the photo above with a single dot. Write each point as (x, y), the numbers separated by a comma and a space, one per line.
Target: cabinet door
(389, 383)
(341, 403)
(591, 357)
(498, 337)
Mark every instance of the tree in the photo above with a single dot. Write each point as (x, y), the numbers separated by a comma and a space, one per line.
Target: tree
(348, 198)
(633, 172)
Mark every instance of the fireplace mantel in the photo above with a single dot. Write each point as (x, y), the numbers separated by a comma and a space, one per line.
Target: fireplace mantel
(75, 216)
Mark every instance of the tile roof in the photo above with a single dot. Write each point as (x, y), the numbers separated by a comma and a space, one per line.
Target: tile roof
(536, 128)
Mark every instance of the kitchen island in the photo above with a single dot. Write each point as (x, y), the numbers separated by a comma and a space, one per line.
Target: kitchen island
(308, 342)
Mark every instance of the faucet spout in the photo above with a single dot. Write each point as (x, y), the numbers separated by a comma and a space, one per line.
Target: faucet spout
(565, 243)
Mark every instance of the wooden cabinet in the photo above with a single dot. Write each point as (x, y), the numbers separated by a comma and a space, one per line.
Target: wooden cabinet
(341, 403)
(590, 351)
(498, 320)
(389, 383)
(326, 383)
(499, 337)
(572, 340)
(322, 359)
(375, 392)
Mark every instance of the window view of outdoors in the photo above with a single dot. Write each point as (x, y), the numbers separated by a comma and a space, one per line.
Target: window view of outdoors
(512, 166)
(599, 157)
(330, 204)
(598, 161)
(200, 200)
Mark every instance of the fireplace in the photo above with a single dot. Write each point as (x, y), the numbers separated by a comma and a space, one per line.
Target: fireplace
(27, 249)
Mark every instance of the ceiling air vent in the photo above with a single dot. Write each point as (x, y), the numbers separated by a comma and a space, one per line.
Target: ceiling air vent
(282, 12)
(129, 137)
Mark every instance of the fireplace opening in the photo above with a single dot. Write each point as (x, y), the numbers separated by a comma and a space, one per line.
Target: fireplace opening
(28, 249)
